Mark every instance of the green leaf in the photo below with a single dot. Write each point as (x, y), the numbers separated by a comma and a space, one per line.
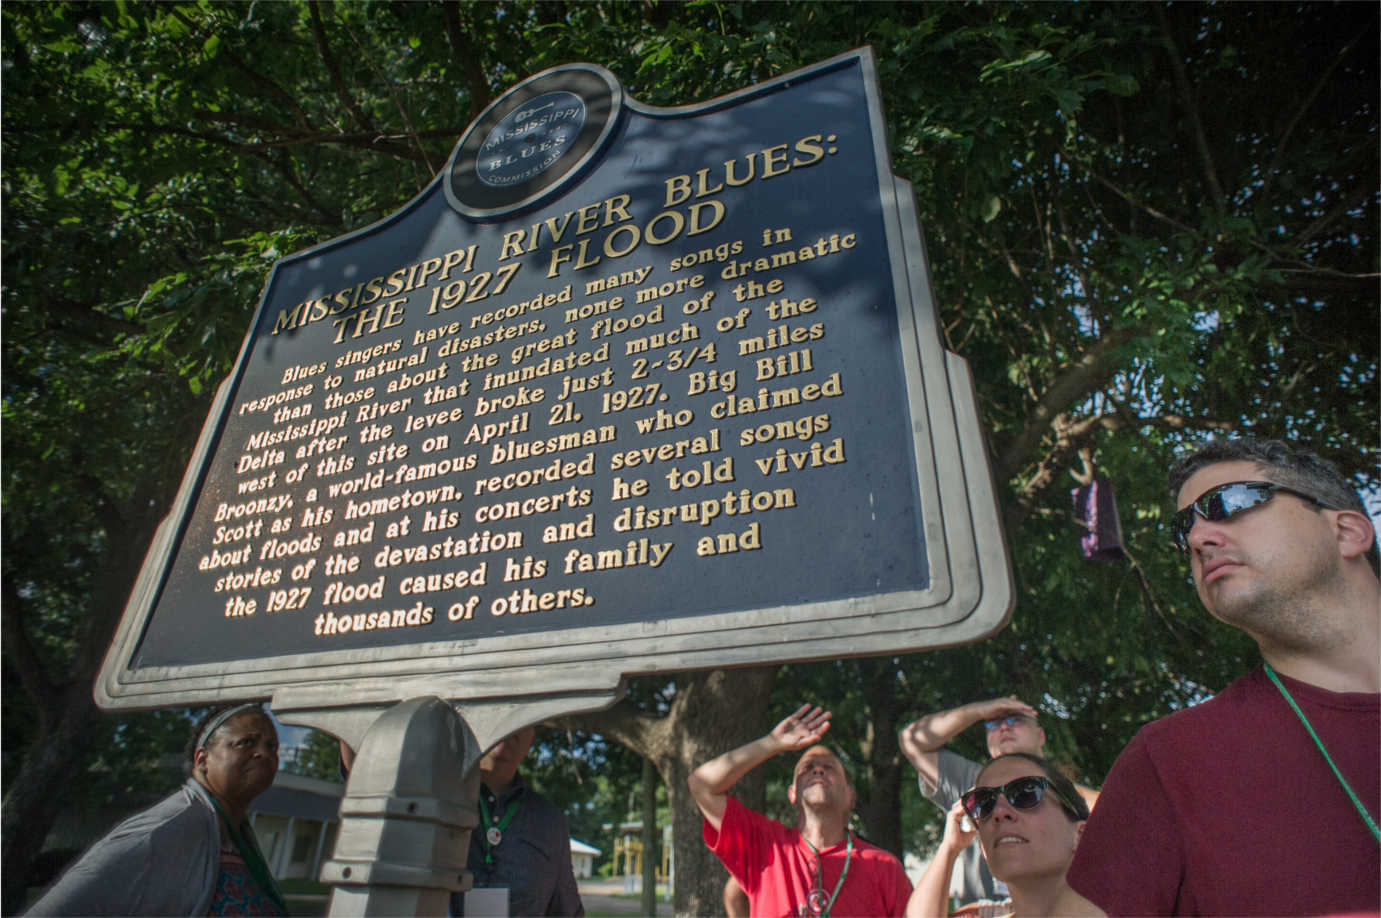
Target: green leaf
(991, 208)
(1122, 84)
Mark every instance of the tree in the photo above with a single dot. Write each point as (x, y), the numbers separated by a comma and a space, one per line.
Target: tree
(316, 756)
(1147, 224)
(128, 285)
(1116, 297)
(685, 723)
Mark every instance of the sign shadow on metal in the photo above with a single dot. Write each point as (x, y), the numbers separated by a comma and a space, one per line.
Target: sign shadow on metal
(624, 390)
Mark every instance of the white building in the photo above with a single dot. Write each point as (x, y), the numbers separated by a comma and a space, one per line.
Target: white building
(583, 859)
(295, 822)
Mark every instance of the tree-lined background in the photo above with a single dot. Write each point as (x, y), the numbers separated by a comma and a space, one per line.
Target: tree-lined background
(1149, 224)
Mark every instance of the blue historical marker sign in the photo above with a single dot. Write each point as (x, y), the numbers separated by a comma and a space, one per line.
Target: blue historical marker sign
(625, 389)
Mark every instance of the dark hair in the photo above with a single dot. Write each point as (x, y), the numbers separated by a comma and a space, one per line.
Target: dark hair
(1065, 792)
(1295, 468)
(189, 752)
(843, 766)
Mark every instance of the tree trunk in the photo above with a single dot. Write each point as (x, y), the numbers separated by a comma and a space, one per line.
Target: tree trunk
(880, 807)
(67, 710)
(37, 794)
(711, 713)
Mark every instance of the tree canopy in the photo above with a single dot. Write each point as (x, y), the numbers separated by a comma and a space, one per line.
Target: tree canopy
(1148, 224)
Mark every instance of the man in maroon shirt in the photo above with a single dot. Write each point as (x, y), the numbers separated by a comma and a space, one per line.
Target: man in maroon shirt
(818, 867)
(1264, 799)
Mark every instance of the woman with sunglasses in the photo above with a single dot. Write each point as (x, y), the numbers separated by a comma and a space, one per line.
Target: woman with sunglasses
(1028, 818)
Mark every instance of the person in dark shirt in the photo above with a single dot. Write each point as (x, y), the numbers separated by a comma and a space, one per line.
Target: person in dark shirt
(194, 853)
(522, 844)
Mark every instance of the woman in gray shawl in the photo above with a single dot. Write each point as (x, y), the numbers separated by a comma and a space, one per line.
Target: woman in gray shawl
(194, 853)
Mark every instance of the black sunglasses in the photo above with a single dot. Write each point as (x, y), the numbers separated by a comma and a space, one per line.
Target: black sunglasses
(1223, 503)
(1022, 793)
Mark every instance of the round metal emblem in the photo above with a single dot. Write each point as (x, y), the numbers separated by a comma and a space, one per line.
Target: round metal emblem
(533, 140)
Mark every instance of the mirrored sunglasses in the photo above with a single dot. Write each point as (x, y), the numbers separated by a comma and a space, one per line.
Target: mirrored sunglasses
(1022, 793)
(1011, 720)
(1223, 503)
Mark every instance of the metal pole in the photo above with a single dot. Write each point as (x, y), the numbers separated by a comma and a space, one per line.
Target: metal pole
(406, 817)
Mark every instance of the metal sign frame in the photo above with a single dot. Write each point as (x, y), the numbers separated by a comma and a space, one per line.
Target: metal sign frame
(969, 594)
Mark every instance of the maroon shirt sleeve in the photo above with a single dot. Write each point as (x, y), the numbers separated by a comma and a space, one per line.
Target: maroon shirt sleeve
(1130, 860)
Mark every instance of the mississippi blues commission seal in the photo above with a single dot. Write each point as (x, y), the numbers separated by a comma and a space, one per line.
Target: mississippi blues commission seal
(532, 140)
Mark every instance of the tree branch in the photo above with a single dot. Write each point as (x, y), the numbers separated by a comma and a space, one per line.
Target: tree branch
(1139, 205)
(1187, 97)
(87, 323)
(469, 60)
(379, 143)
(1074, 436)
(326, 218)
(254, 76)
(1123, 419)
(1048, 467)
(1149, 595)
(1358, 195)
(1086, 375)
(392, 88)
(323, 51)
(624, 723)
(1076, 259)
(24, 657)
(1308, 103)
(1360, 192)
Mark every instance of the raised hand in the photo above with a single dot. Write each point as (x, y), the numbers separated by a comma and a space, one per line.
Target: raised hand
(803, 728)
(709, 784)
(959, 828)
(930, 899)
(994, 708)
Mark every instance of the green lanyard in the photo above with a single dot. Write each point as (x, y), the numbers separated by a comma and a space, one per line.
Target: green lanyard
(815, 900)
(254, 858)
(1366, 817)
(493, 834)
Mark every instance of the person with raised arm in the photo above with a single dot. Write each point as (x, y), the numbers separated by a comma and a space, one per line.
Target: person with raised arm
(1010, 725)
(1028, 818)
(817, 867)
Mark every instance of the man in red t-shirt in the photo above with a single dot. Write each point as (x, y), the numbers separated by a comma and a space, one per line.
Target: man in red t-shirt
(817, 868)
(1263, 800)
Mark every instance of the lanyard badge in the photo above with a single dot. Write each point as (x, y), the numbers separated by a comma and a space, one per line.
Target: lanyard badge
(816, 905)
(494, 827)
